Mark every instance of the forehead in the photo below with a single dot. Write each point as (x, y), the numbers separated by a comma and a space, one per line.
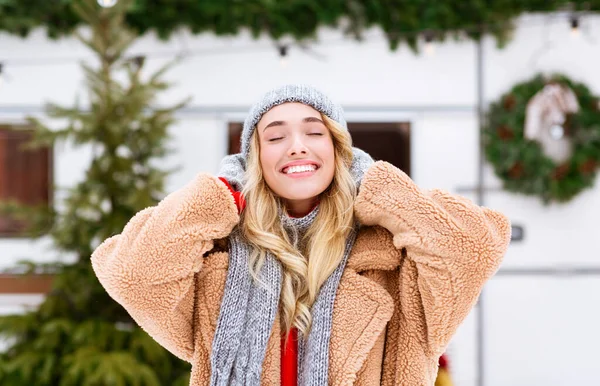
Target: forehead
(290, 111)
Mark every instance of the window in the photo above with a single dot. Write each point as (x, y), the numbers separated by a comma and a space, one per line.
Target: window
(25, 174)
(235, 136)
(384, 141)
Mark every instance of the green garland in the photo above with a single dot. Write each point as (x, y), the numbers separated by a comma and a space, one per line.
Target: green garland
(521, 163)
(401, 20)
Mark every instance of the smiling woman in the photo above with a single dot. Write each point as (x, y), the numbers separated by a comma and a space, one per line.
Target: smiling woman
(299, 161)
(336, 270)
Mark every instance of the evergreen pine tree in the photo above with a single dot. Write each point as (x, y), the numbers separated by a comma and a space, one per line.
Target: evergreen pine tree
(79, 335)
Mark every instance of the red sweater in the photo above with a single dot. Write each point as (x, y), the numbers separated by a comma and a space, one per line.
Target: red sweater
(289, 355)
(289, 359)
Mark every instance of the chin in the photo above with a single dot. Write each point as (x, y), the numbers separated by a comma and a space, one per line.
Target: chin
(300, 196)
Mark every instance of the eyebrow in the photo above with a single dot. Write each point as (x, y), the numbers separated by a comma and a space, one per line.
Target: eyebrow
(283, 123)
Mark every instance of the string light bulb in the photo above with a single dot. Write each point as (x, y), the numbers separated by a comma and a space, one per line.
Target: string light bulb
(429, 48)
(107, 3)
(283, 55)
(574, 26)
(139, 61)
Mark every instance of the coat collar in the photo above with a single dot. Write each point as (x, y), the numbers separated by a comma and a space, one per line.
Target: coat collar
(362, 306)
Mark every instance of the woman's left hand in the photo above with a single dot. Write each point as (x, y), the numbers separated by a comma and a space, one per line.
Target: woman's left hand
(453, 247)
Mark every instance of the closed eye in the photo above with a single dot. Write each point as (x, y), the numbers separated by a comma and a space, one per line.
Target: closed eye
(319, 134)
(275, 139)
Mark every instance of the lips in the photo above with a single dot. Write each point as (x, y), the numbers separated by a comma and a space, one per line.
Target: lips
(299, 167)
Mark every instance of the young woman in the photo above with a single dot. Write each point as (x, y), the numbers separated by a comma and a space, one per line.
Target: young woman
(304, 262)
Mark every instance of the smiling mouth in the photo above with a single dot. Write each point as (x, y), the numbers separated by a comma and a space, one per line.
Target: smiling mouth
(297, 169)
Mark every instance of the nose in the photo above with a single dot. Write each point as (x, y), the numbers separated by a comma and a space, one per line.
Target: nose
(297, 147)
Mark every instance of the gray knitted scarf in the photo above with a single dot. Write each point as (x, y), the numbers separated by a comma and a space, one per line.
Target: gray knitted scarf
(248, 309)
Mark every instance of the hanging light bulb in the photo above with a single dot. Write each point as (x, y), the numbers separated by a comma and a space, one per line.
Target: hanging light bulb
(107, 3)
(283, 55)
(429, 48)
(139, 61)
(575, 26)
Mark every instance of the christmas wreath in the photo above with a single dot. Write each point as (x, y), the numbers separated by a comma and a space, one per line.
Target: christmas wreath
(543, 138)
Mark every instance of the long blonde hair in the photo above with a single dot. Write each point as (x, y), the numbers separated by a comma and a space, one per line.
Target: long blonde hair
(304, 271)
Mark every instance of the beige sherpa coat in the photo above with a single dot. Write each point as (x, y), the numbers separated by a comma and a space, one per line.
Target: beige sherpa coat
(415, 272)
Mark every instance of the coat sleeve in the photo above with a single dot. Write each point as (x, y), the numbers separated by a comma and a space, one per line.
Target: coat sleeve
(150, 267)
(455, 245)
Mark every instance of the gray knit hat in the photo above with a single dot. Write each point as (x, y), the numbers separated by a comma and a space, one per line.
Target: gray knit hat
(290, 93)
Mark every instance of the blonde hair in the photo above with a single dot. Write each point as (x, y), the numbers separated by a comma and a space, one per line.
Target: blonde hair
(304, 271)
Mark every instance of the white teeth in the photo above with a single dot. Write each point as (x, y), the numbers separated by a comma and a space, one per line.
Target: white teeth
(300, 169)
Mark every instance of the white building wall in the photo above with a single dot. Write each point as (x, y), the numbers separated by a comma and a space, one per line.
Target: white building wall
(539, 330)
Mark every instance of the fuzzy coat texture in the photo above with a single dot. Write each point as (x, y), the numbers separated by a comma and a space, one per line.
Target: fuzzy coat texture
(415, 271)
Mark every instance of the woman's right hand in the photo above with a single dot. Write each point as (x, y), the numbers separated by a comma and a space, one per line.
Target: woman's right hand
(153, 267)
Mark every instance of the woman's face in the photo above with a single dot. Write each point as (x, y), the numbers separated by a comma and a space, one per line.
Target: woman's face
(296, 155)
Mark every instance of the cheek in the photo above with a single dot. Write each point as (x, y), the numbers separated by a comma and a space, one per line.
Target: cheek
(327, 152)
(268, 160)
(265, 159)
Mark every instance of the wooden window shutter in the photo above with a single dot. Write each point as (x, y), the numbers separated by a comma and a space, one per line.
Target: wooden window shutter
(25, 175)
